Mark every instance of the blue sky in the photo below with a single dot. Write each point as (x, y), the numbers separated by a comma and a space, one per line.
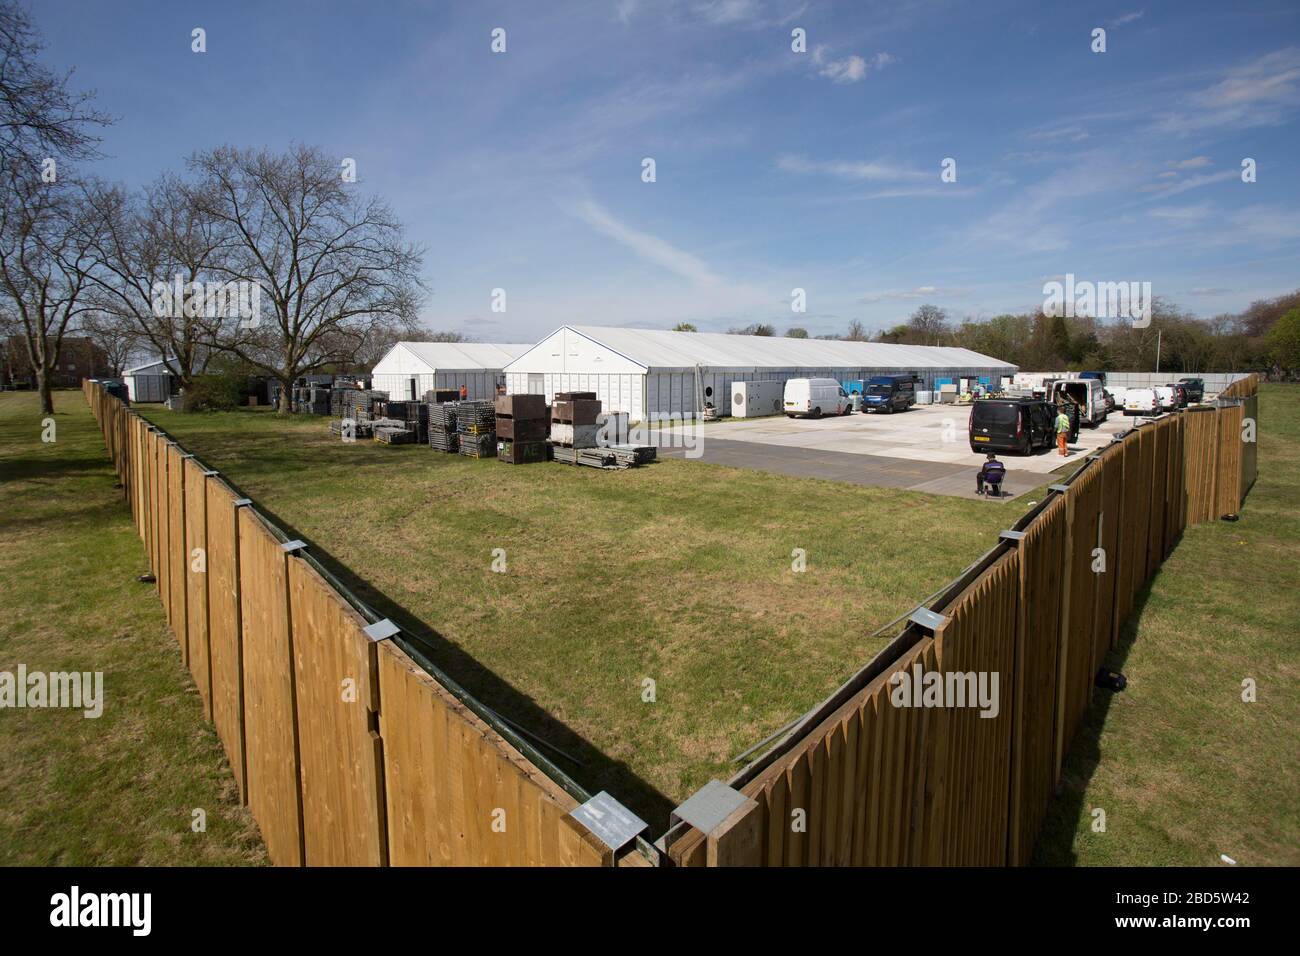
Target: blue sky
(775, 169)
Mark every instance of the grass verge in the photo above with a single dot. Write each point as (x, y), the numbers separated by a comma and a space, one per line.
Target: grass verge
(120, 789)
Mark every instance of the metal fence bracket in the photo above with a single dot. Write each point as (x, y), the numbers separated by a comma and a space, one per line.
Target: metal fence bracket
(1061, 488)
(381, 630)
(243, 502)
(928, 619)
(609, 821)
(1011, 535)
(709, 806)
(295, 545)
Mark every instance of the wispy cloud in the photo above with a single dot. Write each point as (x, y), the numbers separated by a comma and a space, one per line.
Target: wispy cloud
(1127, 18)
(646, 246)
(918, 292)
(1263, 92)
(1168, 187)
(852, 170)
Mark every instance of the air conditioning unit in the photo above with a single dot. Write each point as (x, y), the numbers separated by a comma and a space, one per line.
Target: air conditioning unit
(756, 399)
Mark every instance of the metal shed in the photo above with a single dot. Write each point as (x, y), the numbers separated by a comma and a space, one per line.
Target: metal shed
(409, 369)
(649, 372)
(150, 382)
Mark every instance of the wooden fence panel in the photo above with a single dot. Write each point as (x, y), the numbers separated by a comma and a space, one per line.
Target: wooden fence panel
(196, 581)
(1200, 457)
(225, 637)
(1033, 704)
(270, 708)
(160, 556)
(1228, 487)
(447, 773)
(1143, 491)
(177, 565)
(978, 639)
(1075, 673)
(338, 726)
(1159, 494)
(1111, 517)
(1250, 448)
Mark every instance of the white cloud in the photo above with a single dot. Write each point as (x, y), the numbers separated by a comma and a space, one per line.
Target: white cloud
(918, 292)
(1193, 213)
(849, 69)
(1196, 162)
(643, 244)
(1170, 188)
(851, 170)
(1127, 18)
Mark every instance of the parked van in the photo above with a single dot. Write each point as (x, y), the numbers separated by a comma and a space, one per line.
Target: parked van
(1008, 424)
(1141, 401)
(1167, 398)
(815, 397)
(1088, 394)
(1195, 388)
(889, 393)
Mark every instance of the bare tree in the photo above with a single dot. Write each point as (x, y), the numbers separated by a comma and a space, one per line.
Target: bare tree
(156, 258)
(330, 263)
(857, 332)
(39, 117)
(117, 339)
(46, 236)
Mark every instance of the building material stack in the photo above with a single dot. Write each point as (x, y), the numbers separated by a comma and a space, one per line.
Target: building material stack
(415, 416)
(476, 429)
(311, 399)
(573, 419)
(442, 427)
(360, 429)
(440, 396)
(522, 425)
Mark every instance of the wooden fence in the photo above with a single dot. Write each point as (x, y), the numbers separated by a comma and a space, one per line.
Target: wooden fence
(350, 750)
(861, 780)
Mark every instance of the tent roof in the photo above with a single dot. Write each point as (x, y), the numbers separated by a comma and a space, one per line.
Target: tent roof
(463, 355)
(657, 348)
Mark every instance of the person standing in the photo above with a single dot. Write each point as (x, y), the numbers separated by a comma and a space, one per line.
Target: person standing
(1062, 431)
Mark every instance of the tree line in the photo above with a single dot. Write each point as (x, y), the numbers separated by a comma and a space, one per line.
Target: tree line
(274, 262)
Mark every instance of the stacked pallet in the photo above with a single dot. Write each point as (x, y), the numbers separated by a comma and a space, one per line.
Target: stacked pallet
(610, 457)
(394, 435)
(476, 429)
(522, 425)
(415, 415)
(311, 400)
(440, 396)
(573, 419)
(360, 429)
(442, 427)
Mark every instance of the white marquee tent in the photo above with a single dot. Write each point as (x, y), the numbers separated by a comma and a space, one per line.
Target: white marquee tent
(642, 371)
(410, 369)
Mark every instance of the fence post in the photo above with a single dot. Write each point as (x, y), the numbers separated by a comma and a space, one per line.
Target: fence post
(738, 840)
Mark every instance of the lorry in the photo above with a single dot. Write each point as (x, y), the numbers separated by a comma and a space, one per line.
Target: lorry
(815, 397)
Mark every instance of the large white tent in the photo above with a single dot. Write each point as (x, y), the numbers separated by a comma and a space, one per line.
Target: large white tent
(409, 369)
(654, 372)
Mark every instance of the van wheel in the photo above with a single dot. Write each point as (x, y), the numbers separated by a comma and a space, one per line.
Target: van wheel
(1026, 447)
(816, 413)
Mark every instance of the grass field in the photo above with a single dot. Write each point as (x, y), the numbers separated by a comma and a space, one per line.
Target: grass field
(1183, 768)
(680, 573)
(120, 789)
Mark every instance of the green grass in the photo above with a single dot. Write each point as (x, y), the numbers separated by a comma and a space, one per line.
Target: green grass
(1183, 768)
(679, 572)
(120, 789)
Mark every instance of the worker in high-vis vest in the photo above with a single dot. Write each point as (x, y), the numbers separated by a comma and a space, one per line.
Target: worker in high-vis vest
(1062, 431)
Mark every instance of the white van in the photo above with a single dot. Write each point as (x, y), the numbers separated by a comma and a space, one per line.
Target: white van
(1141, 401)
(1087, 394)
(1166, 396)
(815, 397)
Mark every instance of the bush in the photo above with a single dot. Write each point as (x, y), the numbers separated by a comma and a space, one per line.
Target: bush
(219, 393)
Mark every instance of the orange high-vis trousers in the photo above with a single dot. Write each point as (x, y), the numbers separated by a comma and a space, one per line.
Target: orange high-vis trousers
(1060, 443)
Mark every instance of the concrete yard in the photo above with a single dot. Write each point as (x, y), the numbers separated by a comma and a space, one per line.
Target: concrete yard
(923, 449)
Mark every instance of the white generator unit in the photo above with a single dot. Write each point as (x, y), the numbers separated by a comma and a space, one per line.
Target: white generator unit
(756, 399)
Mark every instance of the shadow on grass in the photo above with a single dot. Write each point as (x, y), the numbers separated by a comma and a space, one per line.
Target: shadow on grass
(593, 769)
(1055, 845)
